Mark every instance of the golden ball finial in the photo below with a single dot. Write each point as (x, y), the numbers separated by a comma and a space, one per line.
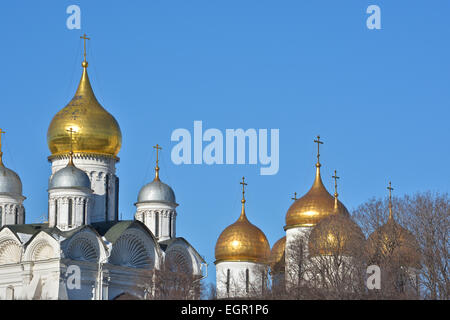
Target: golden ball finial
(84, 64)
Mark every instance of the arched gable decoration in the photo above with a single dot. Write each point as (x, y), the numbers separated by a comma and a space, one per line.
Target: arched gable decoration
(85, 245)
(42, 246)
(133, 245)
(10, 247)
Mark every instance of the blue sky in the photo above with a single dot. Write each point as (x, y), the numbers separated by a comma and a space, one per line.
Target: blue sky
(378, 98)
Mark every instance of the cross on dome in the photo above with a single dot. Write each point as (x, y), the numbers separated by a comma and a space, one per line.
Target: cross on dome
(157, 147)
(85, 64)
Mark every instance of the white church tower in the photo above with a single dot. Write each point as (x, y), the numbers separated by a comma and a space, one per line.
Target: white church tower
(96, 142)
(156, 206)
(69, 197)
(242, 258)
(12, 210)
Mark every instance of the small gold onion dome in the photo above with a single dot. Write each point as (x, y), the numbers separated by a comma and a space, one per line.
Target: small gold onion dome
(277, 256)
(336, 235)
(315, 205)
(391, 242)
(242, 241)
(96, 130)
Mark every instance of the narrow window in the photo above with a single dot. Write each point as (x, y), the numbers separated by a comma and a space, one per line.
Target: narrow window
(228, 281)
(1, 216)
(84, 212)
(106, 196)
(157, 224)
(16, 215)
(56, 212)
(170, 224)
(70, 213)
(247, 280)
(116, 199)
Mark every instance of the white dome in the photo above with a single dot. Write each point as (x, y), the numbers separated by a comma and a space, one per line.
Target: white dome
(70, 177)
(156, 191)
(9, 181)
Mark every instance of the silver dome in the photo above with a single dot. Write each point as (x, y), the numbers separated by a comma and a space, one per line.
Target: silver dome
(156, 191)
(70, 177)
(9, 181)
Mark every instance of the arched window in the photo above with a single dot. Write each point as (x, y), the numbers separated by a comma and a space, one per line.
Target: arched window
(9, 293)
(70, 213)
(16, 215)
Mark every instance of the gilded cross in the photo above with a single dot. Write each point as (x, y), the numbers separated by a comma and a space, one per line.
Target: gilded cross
(85, 38)
(390, 190)
(243, 187)
(390, 200)
(71, 132)
(1, 132)
(318, 147)
(157, 147)
(335, 177)
(295, 196)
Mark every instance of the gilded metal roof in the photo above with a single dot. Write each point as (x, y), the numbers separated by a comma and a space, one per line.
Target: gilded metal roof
(315, 205)
(96, 130)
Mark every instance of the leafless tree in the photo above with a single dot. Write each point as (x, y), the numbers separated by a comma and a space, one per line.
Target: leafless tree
(412, 252)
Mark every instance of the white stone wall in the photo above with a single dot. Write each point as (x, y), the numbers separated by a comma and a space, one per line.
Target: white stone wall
(101, 171)
(11, 209)
(292, 255)
(231, 279)
(165, 213)
(58, 207)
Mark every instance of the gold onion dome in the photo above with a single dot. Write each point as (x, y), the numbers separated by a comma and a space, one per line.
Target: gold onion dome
(315, 205)
(277, 256)
(242, 241)
(336, 235)
(391, 242)
(96, 130)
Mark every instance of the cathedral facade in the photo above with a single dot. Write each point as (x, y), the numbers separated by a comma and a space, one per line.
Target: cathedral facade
(84, 251)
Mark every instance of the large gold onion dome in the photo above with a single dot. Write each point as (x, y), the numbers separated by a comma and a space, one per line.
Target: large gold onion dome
(242, 241)
(96, 130)
(315, 205)
(394, 243)
(277, 256)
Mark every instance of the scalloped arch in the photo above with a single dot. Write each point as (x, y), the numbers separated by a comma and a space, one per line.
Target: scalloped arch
(130, 251)
(10, 252)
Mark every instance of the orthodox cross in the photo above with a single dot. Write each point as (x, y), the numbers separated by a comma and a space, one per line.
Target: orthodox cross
(335, 177)
(390, 200)
(71, 132)
(157, 147)
(1, 153)
(85, 38)
(1, 132)
(243, 188)
(318, 148)
(295, 196)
